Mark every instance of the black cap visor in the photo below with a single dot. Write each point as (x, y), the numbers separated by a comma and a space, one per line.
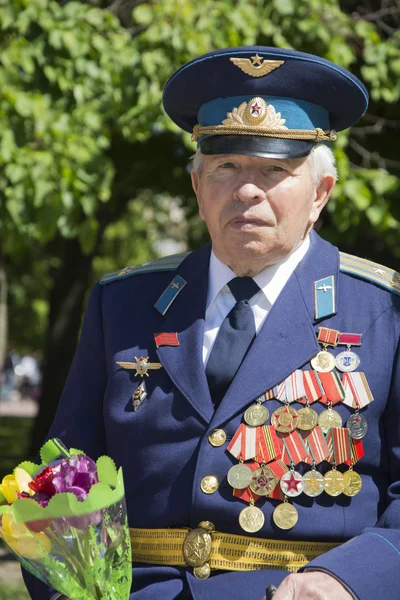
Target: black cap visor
(252, 145)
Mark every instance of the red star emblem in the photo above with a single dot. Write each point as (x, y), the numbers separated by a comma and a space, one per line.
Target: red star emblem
(357, 419)
(293, 483)
(256, 109)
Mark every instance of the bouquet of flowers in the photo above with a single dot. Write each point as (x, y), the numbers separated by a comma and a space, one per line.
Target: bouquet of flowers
(65, 521)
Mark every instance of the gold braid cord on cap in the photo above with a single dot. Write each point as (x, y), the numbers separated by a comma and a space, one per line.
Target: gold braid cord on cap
(256, 117)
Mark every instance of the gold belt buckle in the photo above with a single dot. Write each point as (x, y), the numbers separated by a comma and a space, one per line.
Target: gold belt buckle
(197, 549)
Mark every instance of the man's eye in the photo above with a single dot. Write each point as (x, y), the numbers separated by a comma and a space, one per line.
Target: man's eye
(227, 165)
(277, 169)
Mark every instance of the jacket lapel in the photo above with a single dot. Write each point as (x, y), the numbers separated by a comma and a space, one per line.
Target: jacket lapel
(287, 340)
(184, 363)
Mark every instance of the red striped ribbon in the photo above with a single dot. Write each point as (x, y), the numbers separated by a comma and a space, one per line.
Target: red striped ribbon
(328, 336)
(333, 388)
(294, 450)
(338, 438)
(318, 449)
(312, 386)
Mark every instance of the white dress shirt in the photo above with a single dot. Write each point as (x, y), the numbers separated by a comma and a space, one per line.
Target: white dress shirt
(220, 299)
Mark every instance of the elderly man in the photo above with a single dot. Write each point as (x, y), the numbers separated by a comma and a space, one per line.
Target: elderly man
(251, 389)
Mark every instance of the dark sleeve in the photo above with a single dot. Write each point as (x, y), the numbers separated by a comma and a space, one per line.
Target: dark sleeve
(79, 419)
(369, 564)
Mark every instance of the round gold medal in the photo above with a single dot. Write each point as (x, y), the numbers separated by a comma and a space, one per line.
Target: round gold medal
(313, 483)
(285, 516)
(323, 362)
(352, 483)
(256, 415)
(334, 483)
(284, 419)
(239, 476)
(251, 519)
(329, 418)
(308, 419)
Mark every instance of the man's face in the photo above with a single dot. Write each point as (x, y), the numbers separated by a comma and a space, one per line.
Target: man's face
(257, 210)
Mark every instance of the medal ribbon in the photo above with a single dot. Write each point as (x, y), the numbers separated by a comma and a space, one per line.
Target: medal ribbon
(295, 386)
(349, 339)
(328, 337)
(357, 390)
(272, 393)
(317, 447)
(278, 468)
(333, 388)
(281, 391)
(357, 452)
(338, 440)
(244, 444)
(312, 387)
(294, 449)
(269, 444)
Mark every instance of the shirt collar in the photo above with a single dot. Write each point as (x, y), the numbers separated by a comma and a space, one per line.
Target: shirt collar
(271, 280)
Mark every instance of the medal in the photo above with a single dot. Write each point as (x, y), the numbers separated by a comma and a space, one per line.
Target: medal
(323, 362)
(251, 519)
(292, 484)
(313, 483)
(285, 516)
(308, 419)
(284, 419)
(329, 418)
(256, 415)
(239, 476)
(357, 426)
(348, 360)
(263, 481)
(352, 483)
(334, 482)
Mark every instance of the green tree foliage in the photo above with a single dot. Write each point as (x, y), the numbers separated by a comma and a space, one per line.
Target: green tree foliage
(91, 169)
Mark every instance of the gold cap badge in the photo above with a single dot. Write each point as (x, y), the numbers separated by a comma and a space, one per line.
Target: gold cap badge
(256, 66)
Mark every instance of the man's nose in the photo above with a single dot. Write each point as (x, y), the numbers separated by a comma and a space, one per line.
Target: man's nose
(249, 193)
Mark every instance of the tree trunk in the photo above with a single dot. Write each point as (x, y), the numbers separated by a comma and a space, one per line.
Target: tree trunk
(3, 313)
(66, 304)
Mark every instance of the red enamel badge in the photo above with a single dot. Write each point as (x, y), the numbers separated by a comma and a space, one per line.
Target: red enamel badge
(166, 339)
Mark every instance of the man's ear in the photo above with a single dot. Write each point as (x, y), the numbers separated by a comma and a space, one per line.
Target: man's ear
(323, 191)
(196, 187)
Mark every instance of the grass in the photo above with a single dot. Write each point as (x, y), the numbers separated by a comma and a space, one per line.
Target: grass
(14, 442)
(10, 592)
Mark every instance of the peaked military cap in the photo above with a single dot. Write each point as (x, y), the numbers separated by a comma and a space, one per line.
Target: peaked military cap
(263, 101)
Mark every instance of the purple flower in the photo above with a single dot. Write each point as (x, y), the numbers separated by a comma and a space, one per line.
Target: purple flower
(77, 475)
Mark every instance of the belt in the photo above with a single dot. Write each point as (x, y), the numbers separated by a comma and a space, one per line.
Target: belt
(204, 549)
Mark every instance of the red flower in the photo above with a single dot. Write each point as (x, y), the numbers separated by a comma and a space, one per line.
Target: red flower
(43, 482)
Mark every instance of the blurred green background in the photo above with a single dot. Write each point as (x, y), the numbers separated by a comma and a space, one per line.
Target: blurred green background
(93, 176)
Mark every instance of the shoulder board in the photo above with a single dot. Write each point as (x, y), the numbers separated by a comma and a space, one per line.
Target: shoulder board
(167, 263)
(370, 271)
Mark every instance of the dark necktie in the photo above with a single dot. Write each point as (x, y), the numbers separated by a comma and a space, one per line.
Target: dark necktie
(233, 340)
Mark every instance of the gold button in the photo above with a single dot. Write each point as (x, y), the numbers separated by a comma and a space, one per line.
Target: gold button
(217, 437)
(209, 484)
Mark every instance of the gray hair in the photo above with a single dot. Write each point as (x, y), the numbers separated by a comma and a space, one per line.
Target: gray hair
(321, 161)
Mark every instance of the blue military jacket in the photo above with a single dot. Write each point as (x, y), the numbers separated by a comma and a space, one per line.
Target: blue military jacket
(163, 446)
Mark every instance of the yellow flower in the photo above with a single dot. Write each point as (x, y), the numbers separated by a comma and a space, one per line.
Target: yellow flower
(17, 482)
(21, 540)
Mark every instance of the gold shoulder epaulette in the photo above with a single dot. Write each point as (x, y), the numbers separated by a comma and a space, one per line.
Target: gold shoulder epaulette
(167, 263)
(371, 271)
